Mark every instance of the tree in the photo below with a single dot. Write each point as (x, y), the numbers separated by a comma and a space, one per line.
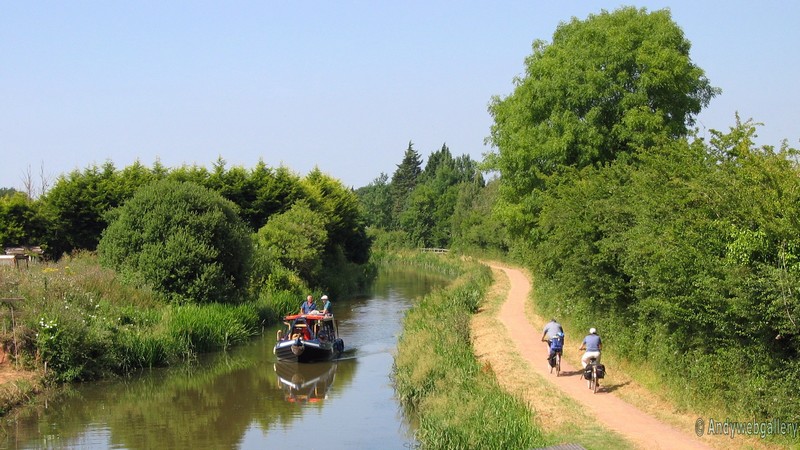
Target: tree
(182, 239)
(474, 225)
(377, 202)
(76, 207)
(7, 192)
(21, 222)
(612, 84)
(296, 240)
(343, 218)
(404, 180)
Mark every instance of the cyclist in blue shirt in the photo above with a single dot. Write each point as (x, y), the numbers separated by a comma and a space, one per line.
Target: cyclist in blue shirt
(593, 344)
(550, 330)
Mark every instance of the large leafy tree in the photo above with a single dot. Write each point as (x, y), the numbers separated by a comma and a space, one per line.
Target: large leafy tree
(343, 218)
(612, 84)
(376, 201)
(295, 240)
(181, 239)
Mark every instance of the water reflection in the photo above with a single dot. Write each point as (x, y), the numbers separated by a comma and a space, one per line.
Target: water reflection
(305, 382)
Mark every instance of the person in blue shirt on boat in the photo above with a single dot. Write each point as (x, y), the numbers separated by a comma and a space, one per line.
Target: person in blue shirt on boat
(308, 306)
(327, 308)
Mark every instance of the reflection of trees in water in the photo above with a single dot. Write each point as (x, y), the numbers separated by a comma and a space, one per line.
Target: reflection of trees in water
(408, 282)
(208, 406)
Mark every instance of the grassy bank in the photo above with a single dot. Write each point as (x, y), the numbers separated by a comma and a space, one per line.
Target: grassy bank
(458, 405)
(78, 321)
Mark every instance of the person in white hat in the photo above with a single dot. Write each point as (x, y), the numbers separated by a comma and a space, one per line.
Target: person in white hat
(327, 308)
(593, 344)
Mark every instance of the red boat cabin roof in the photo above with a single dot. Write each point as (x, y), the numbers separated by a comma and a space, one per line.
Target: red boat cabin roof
(308, 316)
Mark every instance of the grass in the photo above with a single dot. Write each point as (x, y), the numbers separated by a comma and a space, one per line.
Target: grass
(458, 405)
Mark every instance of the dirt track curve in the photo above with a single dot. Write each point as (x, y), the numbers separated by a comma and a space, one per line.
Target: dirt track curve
(642, 429)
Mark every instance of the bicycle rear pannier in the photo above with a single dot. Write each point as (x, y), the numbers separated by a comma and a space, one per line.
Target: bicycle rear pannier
(601, 371)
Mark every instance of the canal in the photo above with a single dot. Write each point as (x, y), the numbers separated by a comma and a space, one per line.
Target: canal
(244, 398)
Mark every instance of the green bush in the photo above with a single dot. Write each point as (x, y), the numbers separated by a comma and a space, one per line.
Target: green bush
(182, 240)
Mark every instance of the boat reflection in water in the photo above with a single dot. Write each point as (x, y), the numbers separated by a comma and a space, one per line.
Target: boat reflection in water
(305, 383)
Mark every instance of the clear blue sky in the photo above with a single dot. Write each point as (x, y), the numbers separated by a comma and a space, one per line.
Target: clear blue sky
(342, 85)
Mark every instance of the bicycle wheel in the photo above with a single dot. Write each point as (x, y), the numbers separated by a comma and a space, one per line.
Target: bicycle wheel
(594, 379)
(558, 365)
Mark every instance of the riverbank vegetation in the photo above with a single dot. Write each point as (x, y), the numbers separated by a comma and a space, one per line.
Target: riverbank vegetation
(681, 248)
(79, 321)
(457, 404)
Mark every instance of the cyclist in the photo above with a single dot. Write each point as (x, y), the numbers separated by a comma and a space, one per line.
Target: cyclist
(556, 346)
(550, 330)
(593, 344)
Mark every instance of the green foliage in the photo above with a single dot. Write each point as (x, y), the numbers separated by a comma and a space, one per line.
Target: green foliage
(342, 215)
(259, 192)
(182, 240)
(612, 84)
(425, 211)
(213, 326)
(7, 192)
(690, 249)
(376, 200)
(76, 207)
(21, 221)
(80, 322)
(428, 215)
(404, 180)
(474, 223)
(296, 240)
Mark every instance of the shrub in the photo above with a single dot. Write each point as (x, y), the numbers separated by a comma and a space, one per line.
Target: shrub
(182, 240)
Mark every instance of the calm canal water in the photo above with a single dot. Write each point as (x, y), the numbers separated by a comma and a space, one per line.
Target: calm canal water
(244, 398)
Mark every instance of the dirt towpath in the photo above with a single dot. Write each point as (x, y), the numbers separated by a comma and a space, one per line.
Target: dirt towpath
(640, 428)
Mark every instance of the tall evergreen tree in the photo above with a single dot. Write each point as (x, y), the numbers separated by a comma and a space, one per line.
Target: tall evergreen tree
(405, 180)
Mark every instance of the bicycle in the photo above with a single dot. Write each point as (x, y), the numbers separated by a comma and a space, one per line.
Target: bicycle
(555, 345)
(557, 365)
(593, 373)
